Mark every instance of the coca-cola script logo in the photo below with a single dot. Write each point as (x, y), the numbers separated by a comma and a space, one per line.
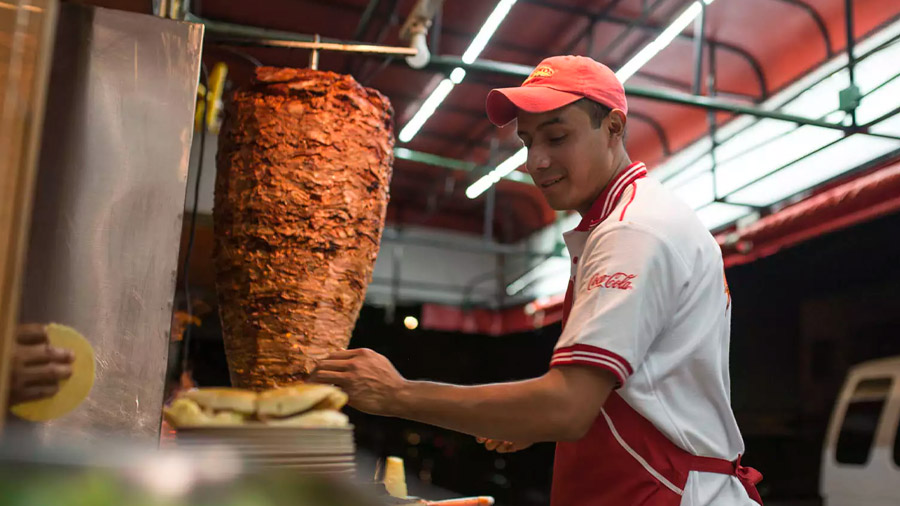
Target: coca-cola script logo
(617, 281)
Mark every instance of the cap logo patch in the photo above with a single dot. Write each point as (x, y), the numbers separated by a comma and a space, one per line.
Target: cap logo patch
(542, 71)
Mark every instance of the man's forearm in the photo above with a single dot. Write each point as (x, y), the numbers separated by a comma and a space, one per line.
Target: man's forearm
(531, 410)
(559, 406)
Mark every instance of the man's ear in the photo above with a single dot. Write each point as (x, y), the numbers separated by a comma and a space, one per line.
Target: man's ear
(615, 122)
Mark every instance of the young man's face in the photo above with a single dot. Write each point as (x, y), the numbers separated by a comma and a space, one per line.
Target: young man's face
(569, 158)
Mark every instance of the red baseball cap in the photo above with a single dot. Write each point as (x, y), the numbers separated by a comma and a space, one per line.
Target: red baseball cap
(556, 82)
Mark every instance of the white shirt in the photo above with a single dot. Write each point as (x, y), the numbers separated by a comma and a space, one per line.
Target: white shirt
(650, 303)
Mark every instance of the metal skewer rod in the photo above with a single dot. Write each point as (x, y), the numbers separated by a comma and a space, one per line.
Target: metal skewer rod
(321, 46)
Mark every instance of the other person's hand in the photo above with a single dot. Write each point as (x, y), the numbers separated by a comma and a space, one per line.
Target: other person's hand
(502, 446)
(37, 366)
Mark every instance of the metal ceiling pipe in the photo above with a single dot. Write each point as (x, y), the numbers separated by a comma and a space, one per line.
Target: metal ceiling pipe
(699, 36)
(256, 36)
(452, 163)
(415, 30)
(213, 27)
(643, 24)
(423, 285)
(393, 236)
(318, 45)
(445, 62)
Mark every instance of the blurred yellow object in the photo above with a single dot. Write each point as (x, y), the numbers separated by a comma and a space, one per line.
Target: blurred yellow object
(214, 96)
(209, 100)
(71, 391)
(395, 477)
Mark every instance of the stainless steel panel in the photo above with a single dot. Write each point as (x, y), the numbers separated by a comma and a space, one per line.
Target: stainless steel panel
(108, 206)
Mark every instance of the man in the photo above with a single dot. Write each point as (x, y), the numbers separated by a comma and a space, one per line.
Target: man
(637, 395)
(37, 366)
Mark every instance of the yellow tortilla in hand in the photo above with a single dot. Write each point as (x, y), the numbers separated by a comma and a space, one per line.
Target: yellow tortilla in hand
(71, 391)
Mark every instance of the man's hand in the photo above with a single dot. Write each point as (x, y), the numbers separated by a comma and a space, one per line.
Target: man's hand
(561, 405)
(502, 446)
(37, 367)
(370, 380)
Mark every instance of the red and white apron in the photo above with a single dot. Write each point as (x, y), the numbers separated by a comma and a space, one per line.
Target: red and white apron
(625, 461)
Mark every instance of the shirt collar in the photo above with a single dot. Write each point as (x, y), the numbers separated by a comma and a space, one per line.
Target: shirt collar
(610, 196)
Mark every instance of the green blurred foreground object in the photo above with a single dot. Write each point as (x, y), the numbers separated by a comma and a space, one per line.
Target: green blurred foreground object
(161, 478)
(60, 486)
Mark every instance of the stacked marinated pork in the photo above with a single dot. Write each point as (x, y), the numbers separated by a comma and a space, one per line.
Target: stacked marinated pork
(304, 167)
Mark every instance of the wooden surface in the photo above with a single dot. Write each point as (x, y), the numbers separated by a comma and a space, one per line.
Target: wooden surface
(25, 51)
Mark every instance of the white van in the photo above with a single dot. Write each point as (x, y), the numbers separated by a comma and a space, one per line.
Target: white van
(861, 457)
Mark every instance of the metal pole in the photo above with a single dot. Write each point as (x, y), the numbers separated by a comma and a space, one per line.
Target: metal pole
(501, 280)
(699, 36)
(491, 197)
(490, 202)
(851, 62)
(436, 28)
(711, 119)
(396, 260)
(314, 55)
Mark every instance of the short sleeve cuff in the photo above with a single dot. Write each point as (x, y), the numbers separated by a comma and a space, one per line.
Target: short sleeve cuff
(584, 354)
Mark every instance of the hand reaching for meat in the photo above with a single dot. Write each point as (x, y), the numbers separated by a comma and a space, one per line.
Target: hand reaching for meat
(368, 378)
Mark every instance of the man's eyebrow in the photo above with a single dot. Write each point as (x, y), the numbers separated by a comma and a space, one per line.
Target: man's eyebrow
(551, 121)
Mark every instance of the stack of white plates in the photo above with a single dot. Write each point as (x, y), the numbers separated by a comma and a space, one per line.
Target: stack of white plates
(306, 450)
